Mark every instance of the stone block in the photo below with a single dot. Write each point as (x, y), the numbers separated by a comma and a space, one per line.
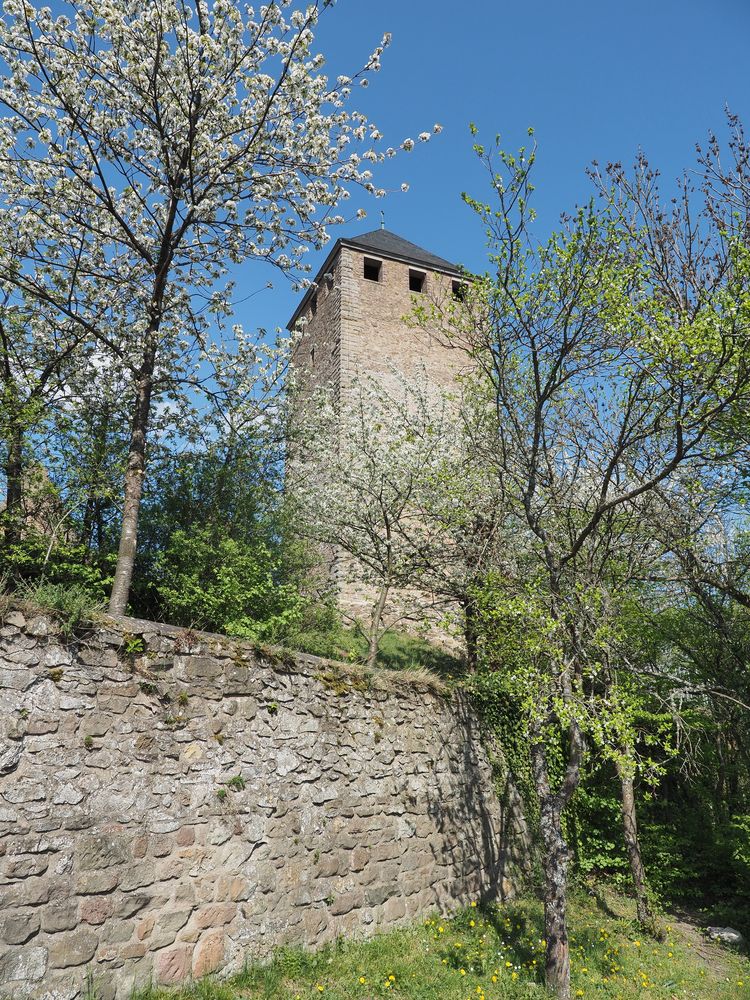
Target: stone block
(19, 866)
(59, 916)
(18, 926)
(96, 909)
(100, 850)
(214, 915)
(28, 892)
(10, 755)
(72, 948)
(22, 965)
(202, 667)
(129, 905)
(94, 883)
(173, 965)
(347, 902)
(209, 953)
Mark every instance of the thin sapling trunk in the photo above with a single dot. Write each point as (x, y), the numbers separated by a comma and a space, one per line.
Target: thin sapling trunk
(633, 847)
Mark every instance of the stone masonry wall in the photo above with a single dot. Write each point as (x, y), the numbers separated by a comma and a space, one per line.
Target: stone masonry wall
(172, 804)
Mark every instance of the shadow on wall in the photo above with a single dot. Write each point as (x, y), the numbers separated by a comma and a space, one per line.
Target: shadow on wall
(485, 837)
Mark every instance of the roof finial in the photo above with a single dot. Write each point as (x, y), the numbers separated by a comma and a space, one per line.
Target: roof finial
(382, 219)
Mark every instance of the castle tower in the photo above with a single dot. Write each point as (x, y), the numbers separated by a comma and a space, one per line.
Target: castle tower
(353, 315)
(352, 324)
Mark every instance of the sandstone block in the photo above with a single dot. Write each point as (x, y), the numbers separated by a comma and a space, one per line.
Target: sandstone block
(173, 965)
(347, 902)
(95, 883)
(17, 927)
(72, 948)
(209, 953)
(61, 916)
(214, 915)
(100, 850)
(96, 909)
(24, 865)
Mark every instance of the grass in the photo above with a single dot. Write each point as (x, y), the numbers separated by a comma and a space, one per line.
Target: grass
(495, 953)
(398, 651)
(72, 605)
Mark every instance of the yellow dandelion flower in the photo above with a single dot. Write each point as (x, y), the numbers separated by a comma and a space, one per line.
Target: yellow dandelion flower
(362, 980)
(462, 971)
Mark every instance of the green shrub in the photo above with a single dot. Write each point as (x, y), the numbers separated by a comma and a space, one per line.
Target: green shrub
(72, 604)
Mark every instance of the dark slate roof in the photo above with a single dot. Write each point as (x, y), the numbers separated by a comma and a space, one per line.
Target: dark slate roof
(383, 243)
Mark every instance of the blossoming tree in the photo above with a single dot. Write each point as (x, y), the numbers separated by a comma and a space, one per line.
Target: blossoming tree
(145, 148)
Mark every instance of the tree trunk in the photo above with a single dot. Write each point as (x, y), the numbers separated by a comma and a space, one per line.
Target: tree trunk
(377, 617)
(134, 473)
(13, 514)
(555, 867)
(92, 517)
(471, 635)
(632, 844)
(555, 854)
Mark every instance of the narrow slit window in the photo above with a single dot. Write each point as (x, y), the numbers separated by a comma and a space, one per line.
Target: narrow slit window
(312, 357)
(313, 305)
(416, 281)
(372, 269)
(459, 291)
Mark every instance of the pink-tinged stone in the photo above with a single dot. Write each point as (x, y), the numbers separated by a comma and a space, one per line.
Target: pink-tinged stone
(144, 927)
(96, 909)
(209, 953)
(173, 965)
(185, 836)
(214, 915)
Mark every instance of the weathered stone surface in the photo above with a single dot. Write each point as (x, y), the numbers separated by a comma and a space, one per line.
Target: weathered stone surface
(22, 965)
(96, 909)
(10, 755)
(209, 953)
(727, 935)
(74, 948)
(19, 926)
(173, 965)
(120, 857)
(59, 916)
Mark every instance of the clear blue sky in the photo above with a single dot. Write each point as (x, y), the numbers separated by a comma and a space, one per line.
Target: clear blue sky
(596, 78)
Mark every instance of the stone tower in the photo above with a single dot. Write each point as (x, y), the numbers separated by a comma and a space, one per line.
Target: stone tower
(351, 324)
(353, 315)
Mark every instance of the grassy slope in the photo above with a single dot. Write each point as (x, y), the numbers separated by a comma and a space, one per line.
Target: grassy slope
(496, 955)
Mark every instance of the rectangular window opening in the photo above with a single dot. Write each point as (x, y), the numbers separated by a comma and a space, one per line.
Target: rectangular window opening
(312, 357)
(459, 290)
(314, 304)
(416, 280)
(372, 269)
